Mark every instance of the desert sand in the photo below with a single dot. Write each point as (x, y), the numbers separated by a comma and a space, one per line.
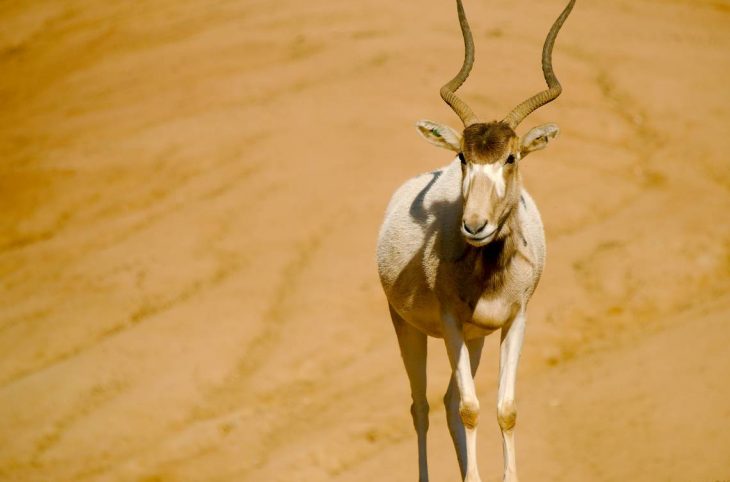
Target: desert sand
(190, 194)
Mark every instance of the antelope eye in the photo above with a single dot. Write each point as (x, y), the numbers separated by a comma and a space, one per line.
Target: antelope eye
(462, 158)
(510, 159)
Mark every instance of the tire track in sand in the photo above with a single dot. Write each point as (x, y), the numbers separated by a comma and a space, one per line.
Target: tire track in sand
(234, 393)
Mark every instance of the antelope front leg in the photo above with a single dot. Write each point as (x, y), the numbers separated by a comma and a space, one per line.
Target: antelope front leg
(509, 356)
(451, 402)
(469, 404)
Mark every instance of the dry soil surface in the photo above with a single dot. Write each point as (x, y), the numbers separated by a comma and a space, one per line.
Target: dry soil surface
(190, 194)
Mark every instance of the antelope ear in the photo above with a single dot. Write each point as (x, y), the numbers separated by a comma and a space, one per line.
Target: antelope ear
(538, 138)
(440, 135)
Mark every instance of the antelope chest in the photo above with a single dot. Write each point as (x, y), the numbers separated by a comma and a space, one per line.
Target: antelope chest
(493, 309)
(492, 312)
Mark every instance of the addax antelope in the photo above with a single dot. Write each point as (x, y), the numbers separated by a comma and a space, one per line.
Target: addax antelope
(460, 253)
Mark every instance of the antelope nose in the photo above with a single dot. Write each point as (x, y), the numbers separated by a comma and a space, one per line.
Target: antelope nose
(473, 227)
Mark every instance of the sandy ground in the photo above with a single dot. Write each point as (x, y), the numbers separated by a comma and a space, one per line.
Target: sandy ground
(190, 195)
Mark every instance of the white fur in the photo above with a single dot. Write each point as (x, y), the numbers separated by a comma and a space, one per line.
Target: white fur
(495, 173)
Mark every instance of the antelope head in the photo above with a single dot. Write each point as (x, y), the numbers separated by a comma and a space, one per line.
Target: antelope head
(490, 152)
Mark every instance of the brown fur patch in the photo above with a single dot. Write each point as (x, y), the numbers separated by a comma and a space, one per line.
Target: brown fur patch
(487, 143)
(507, 415)
(469, 414)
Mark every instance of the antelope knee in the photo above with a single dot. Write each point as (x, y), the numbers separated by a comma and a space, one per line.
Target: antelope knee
(507, 414)
(419, 412)
(469, 411)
